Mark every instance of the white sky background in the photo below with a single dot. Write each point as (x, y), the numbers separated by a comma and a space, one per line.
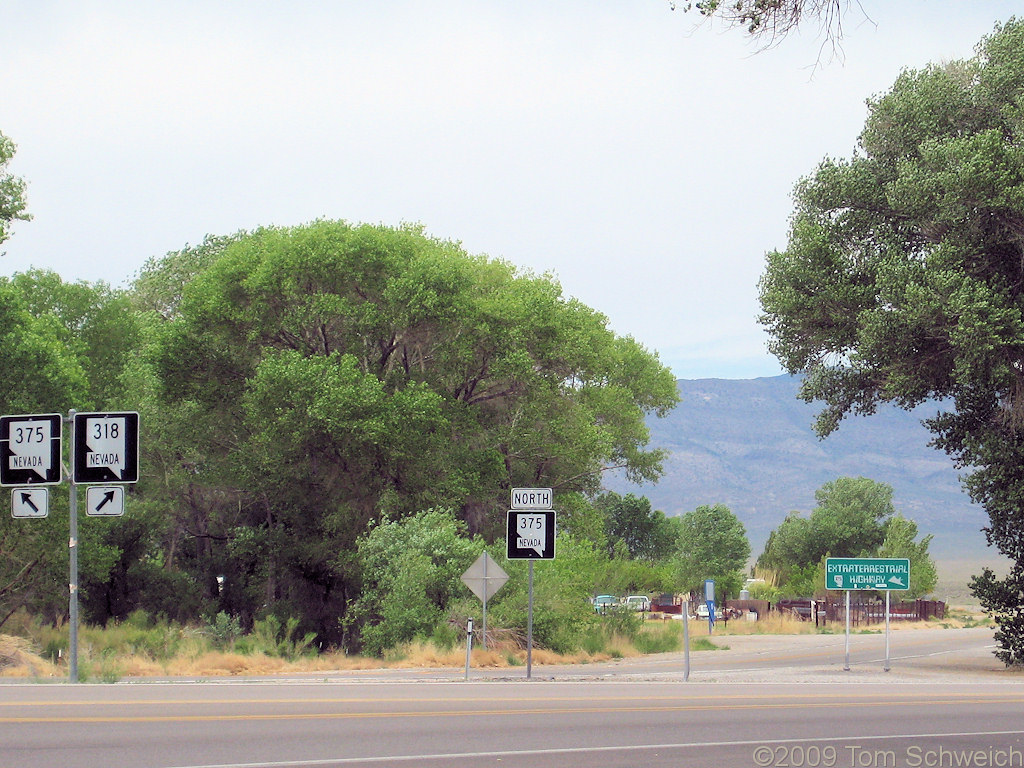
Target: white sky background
(644, 159)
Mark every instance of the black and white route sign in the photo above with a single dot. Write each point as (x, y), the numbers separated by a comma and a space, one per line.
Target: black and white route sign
(531, 534)
(30, 502)
(104, 501)
(105, 448)
(30, 449)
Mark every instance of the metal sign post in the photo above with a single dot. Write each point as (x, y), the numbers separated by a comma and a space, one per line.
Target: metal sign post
(529, 627)
(686, 640)
(709, 599)
(846, 666)
(886, 667)
(882, 574)
(531, 536)
(469, 645)
(486, 561)
(72, 573)
(484, 577)
(73, 583)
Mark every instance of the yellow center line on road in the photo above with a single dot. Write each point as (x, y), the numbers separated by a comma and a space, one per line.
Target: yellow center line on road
(845, 703)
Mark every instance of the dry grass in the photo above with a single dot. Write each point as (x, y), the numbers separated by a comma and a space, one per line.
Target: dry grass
(194, 659)
(18, 660)
(226, 664)
(772, 624)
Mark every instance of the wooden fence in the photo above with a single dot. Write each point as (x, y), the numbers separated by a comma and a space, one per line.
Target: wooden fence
(862, 610)
(833, 609)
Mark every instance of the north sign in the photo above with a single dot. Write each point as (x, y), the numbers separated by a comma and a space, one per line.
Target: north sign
(867, 573)
(30, 449)
(532, 498)
(105, 448)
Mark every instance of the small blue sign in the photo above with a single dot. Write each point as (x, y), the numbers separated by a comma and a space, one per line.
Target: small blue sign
(709, 598)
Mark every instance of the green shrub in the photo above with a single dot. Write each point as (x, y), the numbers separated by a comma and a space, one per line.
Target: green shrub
(701, 643)
(622, 622)
(659, 639)
(446, 636)
(594, 640)
(411, 574)
(223, 630)
(269, 636)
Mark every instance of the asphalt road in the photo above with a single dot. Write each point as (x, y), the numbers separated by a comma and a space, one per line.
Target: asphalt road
(804, 712)
(927, 654)
(931, 654)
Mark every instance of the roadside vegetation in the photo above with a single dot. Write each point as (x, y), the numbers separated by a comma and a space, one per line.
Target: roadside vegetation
(141, 647)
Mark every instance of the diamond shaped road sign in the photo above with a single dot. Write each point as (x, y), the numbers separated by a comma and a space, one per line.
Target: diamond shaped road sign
(484, 577)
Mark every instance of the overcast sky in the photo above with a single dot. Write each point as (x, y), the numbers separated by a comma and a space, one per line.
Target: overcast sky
(643, 159)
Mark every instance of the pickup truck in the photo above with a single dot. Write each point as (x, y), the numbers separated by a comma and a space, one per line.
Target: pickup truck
(637, 602)
(604, 603)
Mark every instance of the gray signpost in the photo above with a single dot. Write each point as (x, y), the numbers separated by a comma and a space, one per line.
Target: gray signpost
(104, 448)
(484, 577)
(878, 574)
(530, 536)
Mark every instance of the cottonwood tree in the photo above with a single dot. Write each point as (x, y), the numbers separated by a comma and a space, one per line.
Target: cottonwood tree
(901, 541)
(849, 520)
(630, 522)
(854, 517)
(338, 373)
(903, 282)
(712, 544)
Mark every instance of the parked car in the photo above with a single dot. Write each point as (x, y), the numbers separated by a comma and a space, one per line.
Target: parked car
(638, 603)
(603, 603)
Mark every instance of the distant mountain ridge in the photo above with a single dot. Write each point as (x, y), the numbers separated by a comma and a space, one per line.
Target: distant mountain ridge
(749, 444)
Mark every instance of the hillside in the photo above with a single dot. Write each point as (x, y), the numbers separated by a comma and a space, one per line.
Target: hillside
(748, 444)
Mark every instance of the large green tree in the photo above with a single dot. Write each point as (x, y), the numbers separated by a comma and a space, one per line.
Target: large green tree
(901, 541)
(62, 346)
(903, 282)
(96, 326)
(849, 520)
(712, 544)
(854, 517)
(336, 373)
(630, 522)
